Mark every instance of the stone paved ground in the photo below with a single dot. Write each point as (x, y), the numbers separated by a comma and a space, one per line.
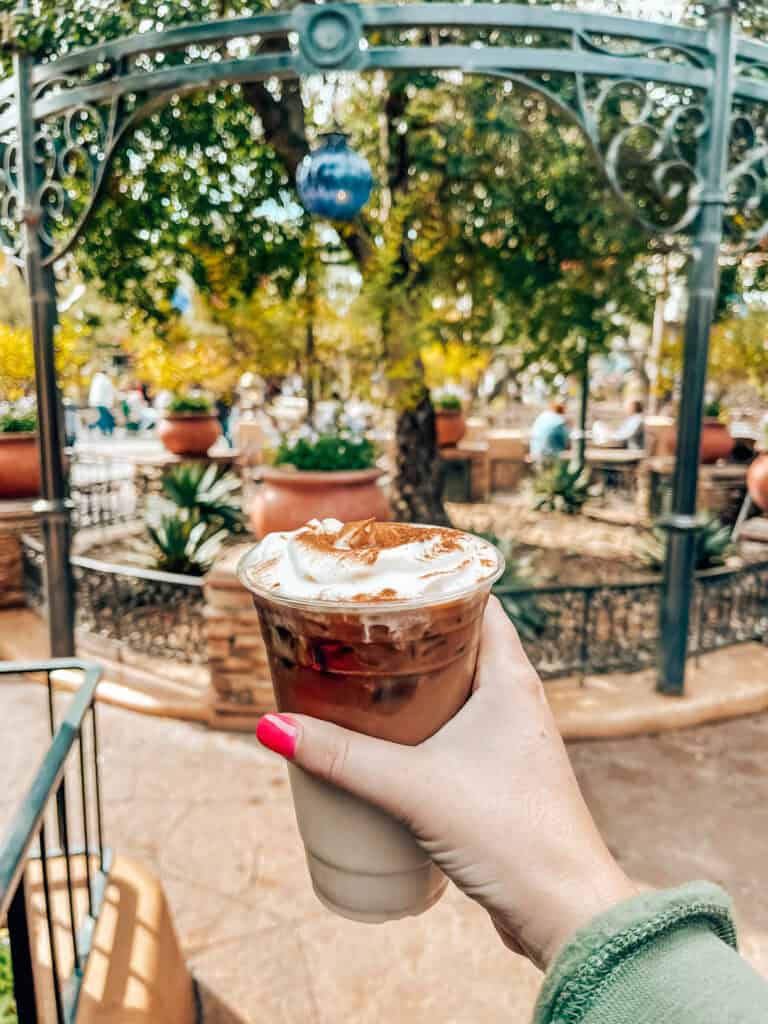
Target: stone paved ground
(210, 813)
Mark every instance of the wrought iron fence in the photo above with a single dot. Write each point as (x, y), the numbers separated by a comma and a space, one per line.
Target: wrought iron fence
(155, 613)
(102, 491)
(53, 862)
(568, 630)
(574, 630)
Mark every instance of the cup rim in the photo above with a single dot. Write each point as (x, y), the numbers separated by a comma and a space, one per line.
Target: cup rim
(397, 604)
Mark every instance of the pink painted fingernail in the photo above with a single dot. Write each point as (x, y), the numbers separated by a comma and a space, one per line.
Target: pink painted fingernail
(278, 733)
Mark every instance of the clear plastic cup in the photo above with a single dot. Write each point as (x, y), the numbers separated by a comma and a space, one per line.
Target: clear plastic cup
(398, 670)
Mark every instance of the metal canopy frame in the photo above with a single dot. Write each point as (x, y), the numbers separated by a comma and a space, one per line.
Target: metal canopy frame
(691, 105)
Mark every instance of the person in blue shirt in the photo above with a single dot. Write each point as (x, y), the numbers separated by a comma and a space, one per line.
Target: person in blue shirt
(549, 434)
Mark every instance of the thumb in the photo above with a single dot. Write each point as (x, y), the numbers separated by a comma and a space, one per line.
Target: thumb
(375, 770)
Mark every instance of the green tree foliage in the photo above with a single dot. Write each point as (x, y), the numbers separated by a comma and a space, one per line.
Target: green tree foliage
(195, 189)
(510, 236)
(489, 226)
(738, 353)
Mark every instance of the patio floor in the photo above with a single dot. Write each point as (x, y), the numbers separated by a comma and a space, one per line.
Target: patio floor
(210, 813)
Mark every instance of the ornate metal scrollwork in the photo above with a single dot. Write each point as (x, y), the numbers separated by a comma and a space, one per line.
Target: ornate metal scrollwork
(70, 154)
(648, 146)
(10, 214)
(328, 38)
(746, 212)
(639, 92)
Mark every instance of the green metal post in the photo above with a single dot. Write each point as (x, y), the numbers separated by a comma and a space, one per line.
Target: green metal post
(53, 507)
(581, 444)
(682, 525)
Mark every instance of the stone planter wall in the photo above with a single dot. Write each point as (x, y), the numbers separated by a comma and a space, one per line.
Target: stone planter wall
(16, 517)
(240, 686)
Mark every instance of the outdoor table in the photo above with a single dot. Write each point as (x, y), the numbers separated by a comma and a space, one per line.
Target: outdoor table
(721, 487)
(507, 457)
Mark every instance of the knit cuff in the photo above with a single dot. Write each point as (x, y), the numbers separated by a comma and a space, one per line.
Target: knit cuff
(587, 963)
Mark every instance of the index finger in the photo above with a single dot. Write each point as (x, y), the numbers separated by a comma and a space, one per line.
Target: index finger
(501, 651)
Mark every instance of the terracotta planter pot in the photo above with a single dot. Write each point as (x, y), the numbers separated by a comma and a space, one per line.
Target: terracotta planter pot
(757, 482)
(290, 498)
(188, 433)
(450, 426)
(19, 466)
(716, 441)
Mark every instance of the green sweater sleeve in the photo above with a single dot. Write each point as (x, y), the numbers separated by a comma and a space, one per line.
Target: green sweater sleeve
(660, 958)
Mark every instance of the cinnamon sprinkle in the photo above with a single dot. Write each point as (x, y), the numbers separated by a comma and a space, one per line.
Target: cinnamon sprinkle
(364, 540)
(263, 567)
(445, 572)
(387, 594)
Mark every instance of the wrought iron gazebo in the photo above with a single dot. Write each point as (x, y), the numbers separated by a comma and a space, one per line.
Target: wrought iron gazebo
(693, 102)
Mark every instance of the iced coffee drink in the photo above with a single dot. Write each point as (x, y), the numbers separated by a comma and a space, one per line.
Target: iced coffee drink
(373, 626)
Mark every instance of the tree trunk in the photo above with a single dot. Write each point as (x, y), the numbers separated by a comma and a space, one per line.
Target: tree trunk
(418, 481)
(309, 381)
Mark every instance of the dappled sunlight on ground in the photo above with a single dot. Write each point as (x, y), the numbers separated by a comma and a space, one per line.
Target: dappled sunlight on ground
(210, 813)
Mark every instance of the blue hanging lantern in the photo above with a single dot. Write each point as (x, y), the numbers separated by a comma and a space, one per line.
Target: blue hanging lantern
(333, 180)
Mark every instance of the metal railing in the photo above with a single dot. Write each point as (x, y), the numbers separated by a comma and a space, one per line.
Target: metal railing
(571, 629)
(614, 627)
(155, 613)
(102, 491)
(45, 817)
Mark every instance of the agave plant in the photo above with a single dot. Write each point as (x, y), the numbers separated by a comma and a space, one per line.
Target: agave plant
(560, 487)
(514, 589)
(713, 545)
(205, 493)
(184, 546)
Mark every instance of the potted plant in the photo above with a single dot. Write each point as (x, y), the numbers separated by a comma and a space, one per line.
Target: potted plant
(450, 424)
(189, 427)
(19, 455)
(316, 477)
(716, 439)
(757, 481)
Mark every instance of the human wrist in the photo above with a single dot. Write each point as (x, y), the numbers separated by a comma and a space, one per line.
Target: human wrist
(578, 900)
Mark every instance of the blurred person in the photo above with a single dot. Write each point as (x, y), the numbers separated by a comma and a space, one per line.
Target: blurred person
(101, 397)
(550, 434)
(134, 407)
(223, 413)
(71, 422)
(163, 399)
(631, 432)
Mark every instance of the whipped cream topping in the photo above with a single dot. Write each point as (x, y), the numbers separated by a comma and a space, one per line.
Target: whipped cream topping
(327, 560)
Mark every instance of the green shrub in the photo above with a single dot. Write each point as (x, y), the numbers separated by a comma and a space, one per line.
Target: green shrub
(190, 403)
(447, 403)
(713, 545)
(327, 452)
(206, 492)
(559, 487)
(7, 1002)
(18, 423)
(713, 409)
